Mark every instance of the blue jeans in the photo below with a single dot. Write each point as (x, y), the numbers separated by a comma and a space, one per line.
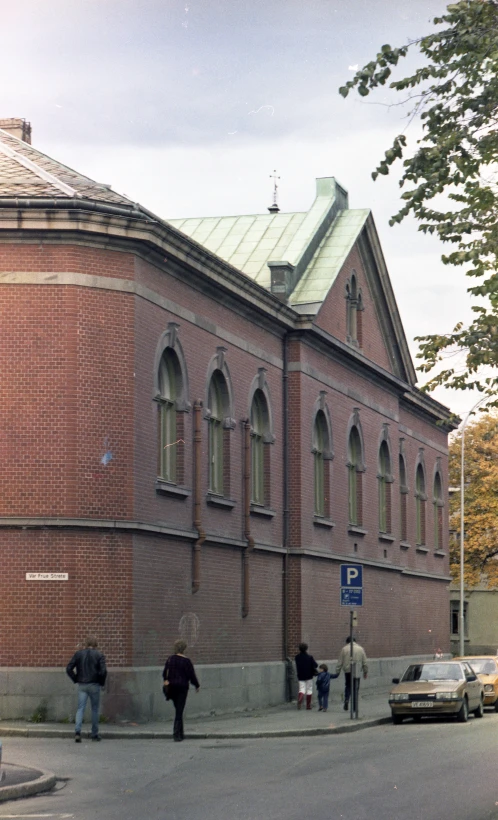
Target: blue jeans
(323, 698)
(85, 691)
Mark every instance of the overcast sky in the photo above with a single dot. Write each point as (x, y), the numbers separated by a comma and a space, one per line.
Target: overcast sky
(187, 106)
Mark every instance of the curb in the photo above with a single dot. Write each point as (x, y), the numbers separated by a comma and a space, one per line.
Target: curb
(43, 783)
(269, 733)
(143, 734)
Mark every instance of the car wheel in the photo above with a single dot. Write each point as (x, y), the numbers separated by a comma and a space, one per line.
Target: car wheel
(463, 714)
(397, 719)
(496, 706)
(479, 712)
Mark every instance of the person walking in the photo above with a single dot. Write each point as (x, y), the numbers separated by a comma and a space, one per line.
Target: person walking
(359, 657)
(87, 668)
(306, 667)
(178, 673)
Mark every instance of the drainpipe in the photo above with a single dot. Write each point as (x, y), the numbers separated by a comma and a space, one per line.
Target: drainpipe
(196, 561)
(247, 519)
(285, 590)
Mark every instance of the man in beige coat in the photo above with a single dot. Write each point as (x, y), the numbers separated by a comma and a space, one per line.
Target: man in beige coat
(344, 662)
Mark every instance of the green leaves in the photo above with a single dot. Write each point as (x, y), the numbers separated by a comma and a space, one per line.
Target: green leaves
(455, 95)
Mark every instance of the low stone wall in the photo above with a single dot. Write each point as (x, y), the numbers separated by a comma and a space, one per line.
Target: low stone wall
(136, 694)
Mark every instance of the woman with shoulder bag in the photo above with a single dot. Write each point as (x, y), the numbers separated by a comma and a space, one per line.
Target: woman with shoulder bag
(178, 673)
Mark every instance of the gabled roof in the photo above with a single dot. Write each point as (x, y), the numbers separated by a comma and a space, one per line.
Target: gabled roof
(298, 256)
(327, 261)
(27, 173)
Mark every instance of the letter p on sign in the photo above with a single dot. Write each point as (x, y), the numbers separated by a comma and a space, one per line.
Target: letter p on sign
(351, 575)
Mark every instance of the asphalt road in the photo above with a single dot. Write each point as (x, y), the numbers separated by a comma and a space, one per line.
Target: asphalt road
(429, 771)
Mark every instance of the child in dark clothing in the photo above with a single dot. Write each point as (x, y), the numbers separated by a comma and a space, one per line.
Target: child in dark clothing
(323, 687)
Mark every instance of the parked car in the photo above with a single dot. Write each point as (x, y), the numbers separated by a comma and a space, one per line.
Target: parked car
(486, 668)
(437, 688)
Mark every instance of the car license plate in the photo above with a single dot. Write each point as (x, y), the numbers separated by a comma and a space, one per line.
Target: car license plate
(422, 704)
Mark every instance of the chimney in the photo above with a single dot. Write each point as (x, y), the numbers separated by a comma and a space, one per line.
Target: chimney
(17, 127)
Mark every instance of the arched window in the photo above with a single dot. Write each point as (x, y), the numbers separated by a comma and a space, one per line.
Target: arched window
(403, 492)
(352, 301)
(218, 453)
(259, 427)
(354, 307)
(321, 450)
(420, 499)
(170, 390)
(438, 512)
(384, 479)
(355, 467)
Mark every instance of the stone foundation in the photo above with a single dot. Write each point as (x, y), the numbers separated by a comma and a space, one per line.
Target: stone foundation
(42, 694)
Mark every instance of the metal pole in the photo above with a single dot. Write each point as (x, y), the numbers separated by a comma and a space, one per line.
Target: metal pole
(462, 542)
(351, 679)
(462, 529)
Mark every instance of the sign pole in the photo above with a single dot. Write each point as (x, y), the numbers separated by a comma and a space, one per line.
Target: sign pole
(351, 678)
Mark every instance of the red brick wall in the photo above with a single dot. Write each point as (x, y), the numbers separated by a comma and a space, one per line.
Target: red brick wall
(44, 622)
(42, 257)
(67, 379)
(162, 597)
(401, 614)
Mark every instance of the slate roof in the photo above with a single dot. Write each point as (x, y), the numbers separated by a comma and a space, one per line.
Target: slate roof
(28, 173)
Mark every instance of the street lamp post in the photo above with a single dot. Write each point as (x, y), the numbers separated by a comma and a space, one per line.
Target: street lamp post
(462, 527)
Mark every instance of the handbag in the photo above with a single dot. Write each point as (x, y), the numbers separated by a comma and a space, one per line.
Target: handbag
(166, 692)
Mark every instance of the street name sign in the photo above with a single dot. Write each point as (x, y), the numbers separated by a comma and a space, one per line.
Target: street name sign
(47, 576)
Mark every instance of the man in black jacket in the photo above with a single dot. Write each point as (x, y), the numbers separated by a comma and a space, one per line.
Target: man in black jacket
(87, 668)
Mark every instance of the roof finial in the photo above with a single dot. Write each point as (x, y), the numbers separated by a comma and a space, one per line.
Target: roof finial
(274, 209)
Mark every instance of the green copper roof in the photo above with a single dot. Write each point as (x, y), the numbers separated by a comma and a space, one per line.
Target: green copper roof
(247, 242)
(311, 246)
(329, 258)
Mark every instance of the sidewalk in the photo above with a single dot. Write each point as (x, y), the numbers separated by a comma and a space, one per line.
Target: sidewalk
(278, 721)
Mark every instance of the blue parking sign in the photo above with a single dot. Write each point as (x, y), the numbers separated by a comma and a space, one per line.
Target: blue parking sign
(351, 576)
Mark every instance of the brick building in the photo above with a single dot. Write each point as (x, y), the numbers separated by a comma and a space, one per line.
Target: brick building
(201, 420)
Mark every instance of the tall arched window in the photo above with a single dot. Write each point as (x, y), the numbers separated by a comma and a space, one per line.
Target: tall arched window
(217, 401)
(355, 465)
(321, 449)
(384, 479)
(420, 499)
(169, 392)
(403, 492)
(438, 512)
(259, 427)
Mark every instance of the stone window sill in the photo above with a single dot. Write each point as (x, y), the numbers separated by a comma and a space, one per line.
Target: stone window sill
(264, 512)
(422, 548)
(439, 554)
(386, 536)
(354, 529)
(320, 521)
(173, 490)
(404, 545)
(220, 501)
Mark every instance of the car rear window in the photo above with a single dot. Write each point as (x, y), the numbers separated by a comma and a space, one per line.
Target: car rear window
(483, 666)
